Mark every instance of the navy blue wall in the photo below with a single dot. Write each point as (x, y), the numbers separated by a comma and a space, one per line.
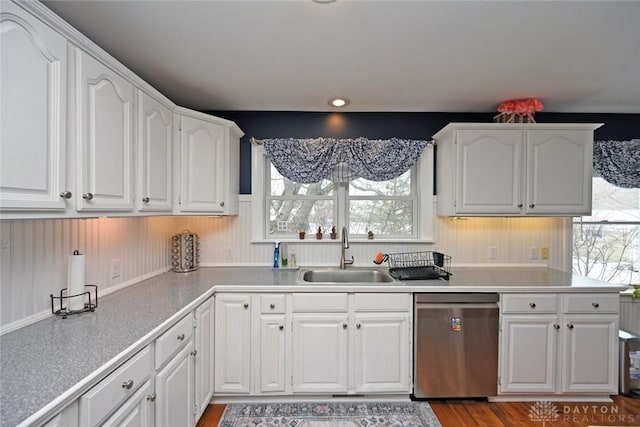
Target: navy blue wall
(282, 124)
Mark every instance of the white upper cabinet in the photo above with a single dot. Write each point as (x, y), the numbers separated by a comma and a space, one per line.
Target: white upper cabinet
(154, 171)
(489, 169)
(33, 97)
(104, 143)
(208, 150)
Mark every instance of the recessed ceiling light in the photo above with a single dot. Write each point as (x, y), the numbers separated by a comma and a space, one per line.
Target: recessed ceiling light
(338, 102)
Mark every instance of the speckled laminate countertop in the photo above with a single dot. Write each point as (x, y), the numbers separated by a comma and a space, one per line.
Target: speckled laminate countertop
(44, 365)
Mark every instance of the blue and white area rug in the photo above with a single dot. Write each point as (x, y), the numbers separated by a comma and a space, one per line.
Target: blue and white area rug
(334, 414)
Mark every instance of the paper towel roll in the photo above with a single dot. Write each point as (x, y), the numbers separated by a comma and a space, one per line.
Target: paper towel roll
(75, 281)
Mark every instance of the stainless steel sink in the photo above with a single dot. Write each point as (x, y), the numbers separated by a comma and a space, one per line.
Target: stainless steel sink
(345, 276)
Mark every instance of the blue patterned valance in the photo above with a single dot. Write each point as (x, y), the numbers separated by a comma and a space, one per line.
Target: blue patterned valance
(312, 160)
(618, 162)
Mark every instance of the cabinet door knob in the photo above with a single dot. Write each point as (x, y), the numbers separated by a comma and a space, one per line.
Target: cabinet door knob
(151, 397)
(193, 353)
(344, 326)
(556, 326)
(272, 306)
(222, 204)
(66, 194)
(281, 327)
(531, 205)
(595, 304)
(145, 200)
(532, 304)
(127, 384)
(570, 326)
(358, 325)
(519, 205)
(180, 337)
(87, 196)
(246, 305)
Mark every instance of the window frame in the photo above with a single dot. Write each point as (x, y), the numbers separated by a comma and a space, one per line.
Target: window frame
(422, 179)
(605, 223)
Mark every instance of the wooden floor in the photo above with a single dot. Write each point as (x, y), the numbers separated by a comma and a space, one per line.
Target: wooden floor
(623, 411)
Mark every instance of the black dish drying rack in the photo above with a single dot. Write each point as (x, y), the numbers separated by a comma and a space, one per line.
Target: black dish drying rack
(419, 265)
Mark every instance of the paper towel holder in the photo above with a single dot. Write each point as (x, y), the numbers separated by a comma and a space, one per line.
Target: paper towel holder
(64, 309)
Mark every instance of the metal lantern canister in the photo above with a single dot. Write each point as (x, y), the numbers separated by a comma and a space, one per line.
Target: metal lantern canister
(185, 252)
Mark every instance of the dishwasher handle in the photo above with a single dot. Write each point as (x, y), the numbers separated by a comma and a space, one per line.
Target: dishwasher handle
(451, 305)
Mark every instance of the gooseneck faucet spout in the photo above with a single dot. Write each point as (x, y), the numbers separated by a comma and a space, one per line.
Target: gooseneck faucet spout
(345, 245)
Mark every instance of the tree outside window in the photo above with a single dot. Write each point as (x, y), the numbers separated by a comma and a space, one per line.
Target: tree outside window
(606, 245)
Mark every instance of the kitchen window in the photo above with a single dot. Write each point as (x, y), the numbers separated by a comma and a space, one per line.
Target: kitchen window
(606, 245)
(400, 209)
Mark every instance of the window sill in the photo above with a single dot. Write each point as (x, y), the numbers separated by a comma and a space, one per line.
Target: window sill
(351, 241)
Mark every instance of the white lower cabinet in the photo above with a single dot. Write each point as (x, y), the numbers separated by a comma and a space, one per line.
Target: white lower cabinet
(320, 352)
(135, 412)
(559, 344)
(175, 391)
(382, 352)
(68, 417)
(204, 347)
(233, 344)
(106, 399)
(312, 343)
(590, 351)
(275, 341)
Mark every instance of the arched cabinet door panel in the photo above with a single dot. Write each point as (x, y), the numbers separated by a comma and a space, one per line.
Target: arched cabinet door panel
(33, 97)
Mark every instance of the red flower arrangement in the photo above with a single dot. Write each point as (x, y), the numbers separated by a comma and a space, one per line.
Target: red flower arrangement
(518, 110)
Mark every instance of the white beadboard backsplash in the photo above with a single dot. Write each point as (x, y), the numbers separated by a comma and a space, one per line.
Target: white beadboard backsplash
(34, 253)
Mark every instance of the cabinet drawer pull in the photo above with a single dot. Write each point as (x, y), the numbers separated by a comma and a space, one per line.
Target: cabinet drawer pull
(66, 194)
(180, 337)
(281, 327)
(272, 306)
(570, 326)
(87, 196)
(151, 397)
(146, 200)
(556, 326)
(194, 353)
(595, 304)
(531, 205)
(246, 305)
(532, 304)
(127, 384)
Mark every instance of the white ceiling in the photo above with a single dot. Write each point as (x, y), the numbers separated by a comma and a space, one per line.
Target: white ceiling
(438, 56)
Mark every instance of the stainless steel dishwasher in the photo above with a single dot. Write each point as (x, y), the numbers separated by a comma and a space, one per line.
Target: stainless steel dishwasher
(455, 345)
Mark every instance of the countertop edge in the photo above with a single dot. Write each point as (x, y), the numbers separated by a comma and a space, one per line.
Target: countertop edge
(43, 415)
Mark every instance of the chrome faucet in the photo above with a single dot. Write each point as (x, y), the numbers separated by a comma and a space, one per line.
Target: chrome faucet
(345, 244)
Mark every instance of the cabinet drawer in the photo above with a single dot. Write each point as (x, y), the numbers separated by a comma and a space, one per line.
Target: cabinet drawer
(272, 304)
(321, 302)
(383, 302)
(529, 303)
(592, 303)
(107, 395)
(173, 340)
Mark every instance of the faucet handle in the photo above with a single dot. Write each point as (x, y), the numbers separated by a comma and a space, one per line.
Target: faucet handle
(349, 262)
